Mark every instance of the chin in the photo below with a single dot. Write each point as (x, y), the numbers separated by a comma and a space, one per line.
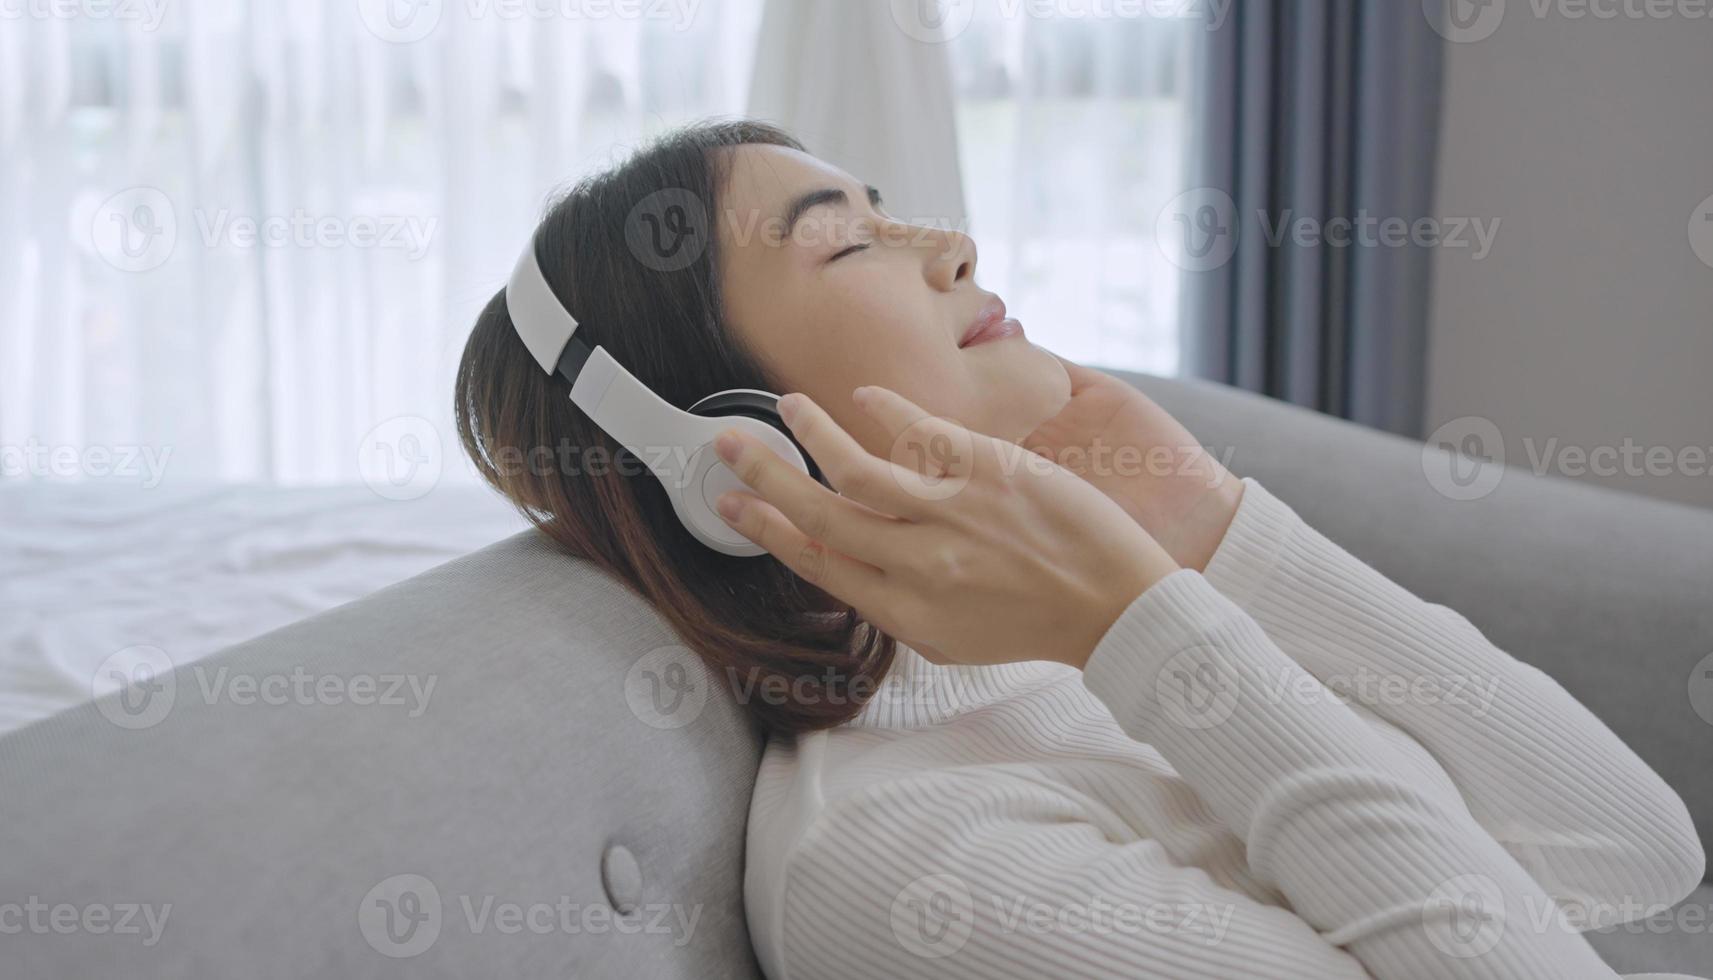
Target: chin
(1034, 388)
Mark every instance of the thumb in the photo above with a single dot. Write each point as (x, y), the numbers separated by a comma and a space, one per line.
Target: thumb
(1081, 377)
(928, 653)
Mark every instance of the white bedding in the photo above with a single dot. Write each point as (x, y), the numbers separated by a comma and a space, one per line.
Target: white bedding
(88, 570)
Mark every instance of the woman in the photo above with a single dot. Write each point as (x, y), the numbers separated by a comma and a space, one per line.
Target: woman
(1046, 714)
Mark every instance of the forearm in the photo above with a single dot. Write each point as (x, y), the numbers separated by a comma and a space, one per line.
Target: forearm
(1576, 806)
(1376, 863)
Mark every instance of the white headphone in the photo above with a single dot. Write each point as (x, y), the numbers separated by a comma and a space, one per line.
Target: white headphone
(676, 445)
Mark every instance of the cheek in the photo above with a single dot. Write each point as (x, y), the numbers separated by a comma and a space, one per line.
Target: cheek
(859, 339)
(931, 378)
(1009, 389)
(868, 332)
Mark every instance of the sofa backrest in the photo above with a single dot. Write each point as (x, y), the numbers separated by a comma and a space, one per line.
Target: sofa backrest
(470, 773)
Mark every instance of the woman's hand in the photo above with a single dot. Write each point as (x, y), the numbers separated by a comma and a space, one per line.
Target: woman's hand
(969, 549)
(1118, 439)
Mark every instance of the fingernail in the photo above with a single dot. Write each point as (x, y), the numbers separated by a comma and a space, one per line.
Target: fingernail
(730, 505)
(728, 446)
(788, 406)
(860, 396)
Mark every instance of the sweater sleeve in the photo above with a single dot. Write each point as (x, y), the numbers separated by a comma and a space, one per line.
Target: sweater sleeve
(952, 876)
(1586, 817)
(1392, 871)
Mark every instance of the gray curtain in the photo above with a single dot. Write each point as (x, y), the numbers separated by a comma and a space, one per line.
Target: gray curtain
(1321, 111)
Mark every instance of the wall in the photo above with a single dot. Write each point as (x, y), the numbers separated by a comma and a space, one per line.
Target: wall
(1591, 319)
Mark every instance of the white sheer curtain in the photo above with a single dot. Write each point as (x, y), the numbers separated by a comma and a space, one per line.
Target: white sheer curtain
(247, 237)
(864, 94)
(1051, 131)
(1071, 131)
(244, 235)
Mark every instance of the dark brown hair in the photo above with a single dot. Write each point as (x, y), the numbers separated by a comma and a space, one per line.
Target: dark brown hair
(797, 658)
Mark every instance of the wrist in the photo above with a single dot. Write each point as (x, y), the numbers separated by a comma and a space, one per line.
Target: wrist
(1146, 566)
(1195, 536)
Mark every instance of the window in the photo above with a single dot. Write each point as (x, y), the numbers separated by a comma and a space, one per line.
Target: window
(1070, 135)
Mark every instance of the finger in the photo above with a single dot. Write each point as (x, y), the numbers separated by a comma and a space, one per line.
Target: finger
(817, 512)
(921, 442)
(853, 471)
(848, 579)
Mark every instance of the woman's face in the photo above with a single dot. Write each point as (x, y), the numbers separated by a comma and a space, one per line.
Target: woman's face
(826, 315)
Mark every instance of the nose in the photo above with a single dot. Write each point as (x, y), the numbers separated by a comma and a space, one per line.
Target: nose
(952, 259)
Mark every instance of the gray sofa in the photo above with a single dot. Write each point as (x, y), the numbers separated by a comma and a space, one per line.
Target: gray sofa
(567, 801)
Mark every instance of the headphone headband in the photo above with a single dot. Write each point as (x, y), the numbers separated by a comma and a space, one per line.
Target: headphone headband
(541, 320)
(674, 444)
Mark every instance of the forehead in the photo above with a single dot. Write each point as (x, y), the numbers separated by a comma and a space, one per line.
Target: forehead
(762, 180)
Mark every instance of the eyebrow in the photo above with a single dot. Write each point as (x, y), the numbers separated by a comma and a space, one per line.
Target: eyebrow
(825, 195)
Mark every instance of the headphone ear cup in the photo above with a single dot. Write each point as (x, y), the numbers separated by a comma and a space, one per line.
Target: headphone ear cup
(758, 405)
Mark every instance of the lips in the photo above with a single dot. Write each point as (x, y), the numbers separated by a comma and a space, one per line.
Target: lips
(990, 324)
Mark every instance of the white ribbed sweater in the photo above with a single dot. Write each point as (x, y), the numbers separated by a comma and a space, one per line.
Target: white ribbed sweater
(1285, 766)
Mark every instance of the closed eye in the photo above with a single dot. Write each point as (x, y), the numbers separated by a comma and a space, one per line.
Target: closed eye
(873, 202)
